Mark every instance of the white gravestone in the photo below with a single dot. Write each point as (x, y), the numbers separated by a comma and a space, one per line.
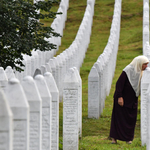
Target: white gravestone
(148, 119)
(66, 60)
(145, 82)
(80, 100)
(55, 109)
(39, 58)
(53, 67)
(48, 67)
(43, 69)
(36, 56)
(93, 94)
(70, 111)
(20, 109)
(9, 72)
(35, 103)
(46, 111)
(56, 71)
(33, 65)
(146, 50)
(6, 124)
(3, 78)
(146, 14)
(28, 64)
(59, 60)
(98, 66)
(145, 36)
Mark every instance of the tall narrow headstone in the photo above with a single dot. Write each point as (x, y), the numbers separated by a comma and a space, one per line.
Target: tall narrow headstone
(9, 72)
(48, 67)
(6, 124)
(55, 109)
(33, 64)
(35, 103)
(70, 111)
(80, 100)
(20, 109)
(3, 78)
(46, 111)
(100, 90)
(144, 103)
(148, 119)
(36, 56)
(145, 36)
(93, 94)
(43, 69)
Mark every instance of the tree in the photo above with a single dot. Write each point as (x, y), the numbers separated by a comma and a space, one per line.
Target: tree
(21, 31)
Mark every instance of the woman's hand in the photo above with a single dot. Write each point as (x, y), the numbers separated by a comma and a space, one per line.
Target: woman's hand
(120, 101)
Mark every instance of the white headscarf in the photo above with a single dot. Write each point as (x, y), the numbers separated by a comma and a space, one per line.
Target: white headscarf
(134, 72)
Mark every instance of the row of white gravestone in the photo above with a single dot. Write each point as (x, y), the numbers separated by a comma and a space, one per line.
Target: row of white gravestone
(72, 83)
(40, 58)
(102, 72)
(145, 27)
(59, 23)
(72, 110)
(32, 117)
(71, 57)
(74, 55)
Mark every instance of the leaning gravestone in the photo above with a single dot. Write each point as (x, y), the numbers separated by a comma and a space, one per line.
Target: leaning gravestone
(70, 111)
(6, 124)
(35, 103)
(20, 109)
(55, 109)
(46, 111)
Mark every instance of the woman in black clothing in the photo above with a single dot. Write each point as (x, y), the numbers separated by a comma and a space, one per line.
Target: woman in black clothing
(124, 112)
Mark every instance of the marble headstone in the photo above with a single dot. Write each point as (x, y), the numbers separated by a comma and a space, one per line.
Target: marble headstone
(20, 109)
(6, 124)
(46, 111)
(70, 111)
(93, 94)
(35, 103)
(55, 109)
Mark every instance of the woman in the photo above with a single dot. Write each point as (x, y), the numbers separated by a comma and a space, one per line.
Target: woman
(124, 112)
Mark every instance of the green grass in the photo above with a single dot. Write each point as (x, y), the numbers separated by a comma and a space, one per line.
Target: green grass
(95, 133)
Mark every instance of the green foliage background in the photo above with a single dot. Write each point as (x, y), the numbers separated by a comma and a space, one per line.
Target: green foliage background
(21, 32)
(95, 132)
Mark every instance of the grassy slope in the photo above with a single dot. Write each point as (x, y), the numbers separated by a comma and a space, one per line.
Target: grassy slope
(96, 132)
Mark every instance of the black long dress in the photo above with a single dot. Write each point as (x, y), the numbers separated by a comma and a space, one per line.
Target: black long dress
(124, 118)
